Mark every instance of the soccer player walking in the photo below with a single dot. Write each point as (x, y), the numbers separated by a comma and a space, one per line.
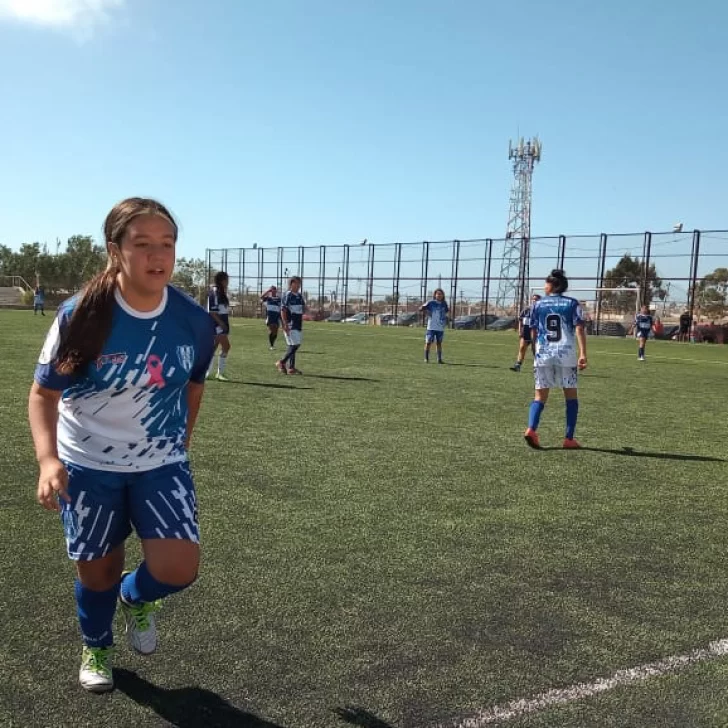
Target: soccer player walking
(272, 302)
(292, 309)
(557, 329)
(524, 333)
(437, 310)
(218, 306)
(642, 326)
(117, 390)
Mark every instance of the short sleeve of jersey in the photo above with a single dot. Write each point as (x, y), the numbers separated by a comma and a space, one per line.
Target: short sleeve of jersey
(578, 314)
(45, 372)
(205, 350)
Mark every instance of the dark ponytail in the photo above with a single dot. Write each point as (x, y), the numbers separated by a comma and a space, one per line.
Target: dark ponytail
(558, 280)
(83, 340)
(221, 280)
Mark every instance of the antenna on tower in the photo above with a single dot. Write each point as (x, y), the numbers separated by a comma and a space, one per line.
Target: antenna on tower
(514, 274)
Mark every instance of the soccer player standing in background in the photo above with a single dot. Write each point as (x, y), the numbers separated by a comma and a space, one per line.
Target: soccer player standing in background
(272, 302)
(117, 390)
(642, 326)
(437, 310)
(218, 306)
(292, 309)
(557, 328)
(524, 333)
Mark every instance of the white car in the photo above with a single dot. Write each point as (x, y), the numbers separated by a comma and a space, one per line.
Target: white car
(357, 318)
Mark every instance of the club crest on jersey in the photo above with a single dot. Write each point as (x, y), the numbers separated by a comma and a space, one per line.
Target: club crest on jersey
(186, 356)
(105, 359)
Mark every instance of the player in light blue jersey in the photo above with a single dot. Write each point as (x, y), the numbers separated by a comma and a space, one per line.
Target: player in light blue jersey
(557, 331)
(39, 300)
(272, 302)
(218, 306)
(293, 307)
(117, 390)
(643, 324)
(437, 310)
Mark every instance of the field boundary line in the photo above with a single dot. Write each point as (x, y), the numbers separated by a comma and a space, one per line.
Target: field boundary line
(562, 696)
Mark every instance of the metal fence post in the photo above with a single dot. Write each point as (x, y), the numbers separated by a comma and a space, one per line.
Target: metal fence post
(694, 259)
(345, 281)
(454, 273)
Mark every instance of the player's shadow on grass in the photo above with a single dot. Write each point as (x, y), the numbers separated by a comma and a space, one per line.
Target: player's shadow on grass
(475, 366)
(191, 707)
(630, 452)
(340, 378)
(273, 386)
(360, 717)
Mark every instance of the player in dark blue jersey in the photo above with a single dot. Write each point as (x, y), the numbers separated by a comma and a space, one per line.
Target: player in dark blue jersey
(557, 329)
(39, 300)
(437, 310)
(218, 306)
(117, 390)
(272, 302)
(643, 324)
(524, 333)
(292, 309)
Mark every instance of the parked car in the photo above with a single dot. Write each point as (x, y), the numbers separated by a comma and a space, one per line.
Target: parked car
(503, 324)
(314, 315)
(405, 319)
(335, 317)
(357, 318)
(385, 319)
(474, 321)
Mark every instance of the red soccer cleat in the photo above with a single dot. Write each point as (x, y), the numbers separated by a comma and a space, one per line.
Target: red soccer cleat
(531, 437)
(571, 444)
(281, 367)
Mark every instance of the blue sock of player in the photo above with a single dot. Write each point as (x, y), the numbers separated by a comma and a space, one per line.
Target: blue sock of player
(141, 586)
(95, 611)
(572, 412)
(439, 354)
(221, 362)
(427, 353)
(292, 360)
(272, 338)
(534, 414)
(289, 352)
(641, 351)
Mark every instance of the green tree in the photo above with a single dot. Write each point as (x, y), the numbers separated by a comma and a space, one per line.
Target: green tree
(712, 293)
(629, 273)
(190, 276)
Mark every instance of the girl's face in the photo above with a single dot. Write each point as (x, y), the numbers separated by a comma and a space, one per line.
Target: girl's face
(295, 286)
(439, 296)
(547, 287)
(224, 283)
(145, 258)
(273, 291)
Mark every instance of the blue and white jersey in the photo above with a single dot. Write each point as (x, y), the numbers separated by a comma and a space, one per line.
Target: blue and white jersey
(127, 411)
(217, 302)
(643, 324)
(272, 307)
(555, 319)
(525, 317)
(38, 297)
(436, 315)
(295, 306)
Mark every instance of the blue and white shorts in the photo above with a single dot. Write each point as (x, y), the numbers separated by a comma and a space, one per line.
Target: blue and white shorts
(642, 333)
(553, 374)
(434, 336)
(105, 505)
(293, 337)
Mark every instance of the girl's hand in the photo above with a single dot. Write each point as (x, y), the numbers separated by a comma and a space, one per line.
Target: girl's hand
(52, 484)
(582, 362)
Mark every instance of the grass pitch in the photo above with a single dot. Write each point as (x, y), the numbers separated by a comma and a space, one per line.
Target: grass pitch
(381, 549)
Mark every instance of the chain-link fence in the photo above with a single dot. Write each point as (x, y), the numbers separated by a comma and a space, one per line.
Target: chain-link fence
(672, 271)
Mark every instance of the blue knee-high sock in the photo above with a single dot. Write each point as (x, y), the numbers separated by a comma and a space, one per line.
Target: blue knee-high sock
(141, 586)
(289, 352)
(292, 358)
(641, 351)
(572, 412)
(427, 353)
(95, 611)
(534, 414)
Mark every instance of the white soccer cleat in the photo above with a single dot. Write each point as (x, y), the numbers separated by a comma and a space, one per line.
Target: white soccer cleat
(141, 628)
(95, 674)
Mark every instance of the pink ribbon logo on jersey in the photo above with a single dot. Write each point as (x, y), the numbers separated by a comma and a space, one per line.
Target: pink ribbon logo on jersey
(154, 370)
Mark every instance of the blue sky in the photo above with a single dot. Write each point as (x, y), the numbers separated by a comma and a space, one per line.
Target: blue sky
(287, 122)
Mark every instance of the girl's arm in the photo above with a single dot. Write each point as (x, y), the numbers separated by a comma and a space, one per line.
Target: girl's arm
(194, 400)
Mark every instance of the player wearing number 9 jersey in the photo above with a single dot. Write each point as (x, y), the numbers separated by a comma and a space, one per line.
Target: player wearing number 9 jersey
(557, 330)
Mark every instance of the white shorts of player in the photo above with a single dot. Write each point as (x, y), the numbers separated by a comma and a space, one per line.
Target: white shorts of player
(552, 374)
(293, 337)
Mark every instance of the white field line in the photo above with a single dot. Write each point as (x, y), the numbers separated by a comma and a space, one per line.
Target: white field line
(562, 696)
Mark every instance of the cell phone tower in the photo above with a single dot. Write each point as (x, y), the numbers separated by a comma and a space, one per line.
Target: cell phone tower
(513, 285)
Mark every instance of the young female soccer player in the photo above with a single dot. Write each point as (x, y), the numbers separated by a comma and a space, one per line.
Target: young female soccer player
(272, 302)
(292, 309)
(642, 327)
(117, 390)
(436, 322)
(557, 328)
(218, 307)
(524, 333)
